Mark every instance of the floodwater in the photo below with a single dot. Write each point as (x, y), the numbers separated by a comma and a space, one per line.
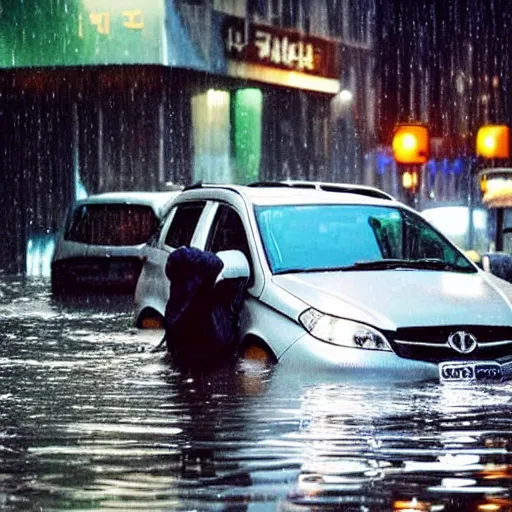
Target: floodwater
(90, 419)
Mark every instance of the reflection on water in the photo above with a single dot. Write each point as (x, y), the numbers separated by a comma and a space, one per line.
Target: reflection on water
(91, 419)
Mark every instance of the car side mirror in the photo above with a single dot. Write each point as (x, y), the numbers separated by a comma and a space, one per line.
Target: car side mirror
(235, 265)
(499, 264)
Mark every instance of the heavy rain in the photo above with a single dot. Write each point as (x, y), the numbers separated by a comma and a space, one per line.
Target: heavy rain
(100, 96)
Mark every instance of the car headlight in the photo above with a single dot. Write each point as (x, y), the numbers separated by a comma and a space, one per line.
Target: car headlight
(343, 332)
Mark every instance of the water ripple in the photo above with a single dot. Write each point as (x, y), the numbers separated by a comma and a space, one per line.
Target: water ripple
(91, 419)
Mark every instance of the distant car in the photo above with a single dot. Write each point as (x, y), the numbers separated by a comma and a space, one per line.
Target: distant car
(99, 245)
(345, 281)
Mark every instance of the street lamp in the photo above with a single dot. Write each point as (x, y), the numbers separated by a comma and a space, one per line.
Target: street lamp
(345, 96)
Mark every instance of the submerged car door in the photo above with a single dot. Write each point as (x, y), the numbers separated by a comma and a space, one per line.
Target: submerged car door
(227, 232)
(177, 230)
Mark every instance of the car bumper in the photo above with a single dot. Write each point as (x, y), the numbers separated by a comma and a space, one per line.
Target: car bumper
(507, 369)
(74, 275)
(311, 354)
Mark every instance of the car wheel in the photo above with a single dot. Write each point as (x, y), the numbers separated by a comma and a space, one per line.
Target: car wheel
(150, 320)
(256, 350)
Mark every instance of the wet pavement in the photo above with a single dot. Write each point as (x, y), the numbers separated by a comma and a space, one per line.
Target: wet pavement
(91, 419)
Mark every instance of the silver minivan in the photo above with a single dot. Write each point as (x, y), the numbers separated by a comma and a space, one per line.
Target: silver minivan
(99, 245)
(342, 281)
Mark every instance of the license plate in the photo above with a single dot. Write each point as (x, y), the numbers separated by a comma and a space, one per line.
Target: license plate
(470, 371)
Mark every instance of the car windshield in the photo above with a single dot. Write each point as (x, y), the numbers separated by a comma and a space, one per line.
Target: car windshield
(112, 224)
(308, 238)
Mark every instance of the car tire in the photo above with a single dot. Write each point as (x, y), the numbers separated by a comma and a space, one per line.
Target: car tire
(255, 350)
(150, 320)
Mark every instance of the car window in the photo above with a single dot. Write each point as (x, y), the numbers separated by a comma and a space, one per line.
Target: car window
(183, 224)
(401, 235)
(112, 224)
(305, 237)
(228, 232)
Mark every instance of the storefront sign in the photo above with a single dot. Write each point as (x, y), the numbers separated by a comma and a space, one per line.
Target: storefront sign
(106, 32)
(496, 187)
(82, 32)
(101, 21)
(278, 48)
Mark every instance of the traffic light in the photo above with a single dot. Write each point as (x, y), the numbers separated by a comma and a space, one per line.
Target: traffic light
(410, 180)
(411, 144)
(493, 141)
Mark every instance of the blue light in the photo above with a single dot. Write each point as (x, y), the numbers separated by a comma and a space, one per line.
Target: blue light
(458, 166)
(432, 167)
(383, 161)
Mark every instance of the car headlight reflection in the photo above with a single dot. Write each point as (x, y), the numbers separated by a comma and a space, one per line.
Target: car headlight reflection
(342, 332)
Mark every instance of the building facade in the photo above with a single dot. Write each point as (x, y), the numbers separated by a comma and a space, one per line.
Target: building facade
(102, 95)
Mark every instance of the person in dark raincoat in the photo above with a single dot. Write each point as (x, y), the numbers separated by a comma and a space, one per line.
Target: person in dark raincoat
(202, 315)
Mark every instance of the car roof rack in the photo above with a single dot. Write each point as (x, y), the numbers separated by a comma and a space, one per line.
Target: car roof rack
(347, 188)
(197, 184)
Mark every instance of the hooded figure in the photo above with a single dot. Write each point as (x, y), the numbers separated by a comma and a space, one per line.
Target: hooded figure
(201, 315)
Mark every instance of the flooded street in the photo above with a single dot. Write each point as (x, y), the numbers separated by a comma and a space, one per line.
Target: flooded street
(91, 419)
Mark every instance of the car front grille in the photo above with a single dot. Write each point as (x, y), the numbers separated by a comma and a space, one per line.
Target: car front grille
(431, 343)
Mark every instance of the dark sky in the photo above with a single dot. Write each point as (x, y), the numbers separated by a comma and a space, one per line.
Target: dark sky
(426, 44)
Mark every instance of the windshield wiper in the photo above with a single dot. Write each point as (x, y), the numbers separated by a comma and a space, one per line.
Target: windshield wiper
(358, 265)
(421, 264)
(296, 270)
(387, 264)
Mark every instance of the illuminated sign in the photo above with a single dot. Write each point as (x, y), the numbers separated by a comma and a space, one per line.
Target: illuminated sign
(82, 32)
(275, 47)
(101, 20)
(496, 187)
